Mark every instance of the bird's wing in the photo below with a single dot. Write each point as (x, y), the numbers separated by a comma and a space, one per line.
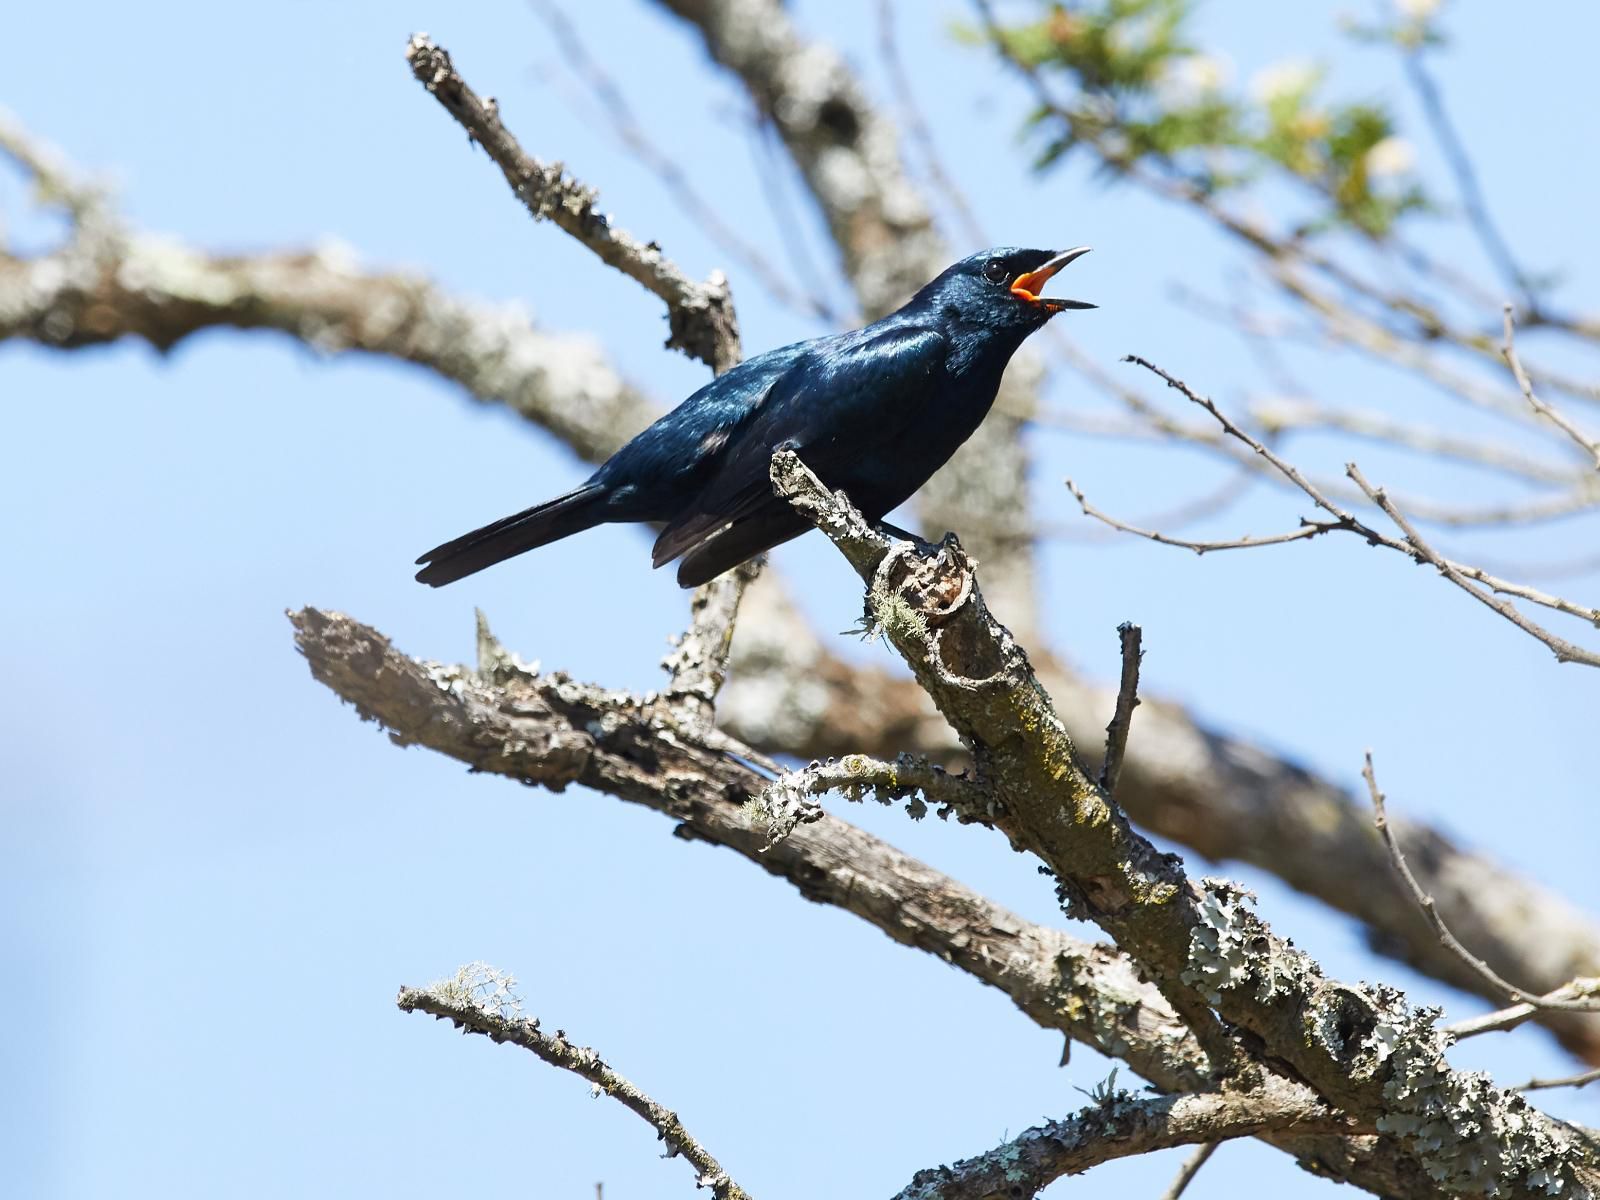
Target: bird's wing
(828, 407)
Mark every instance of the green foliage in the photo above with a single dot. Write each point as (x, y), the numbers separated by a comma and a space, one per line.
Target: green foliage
(1126, 79)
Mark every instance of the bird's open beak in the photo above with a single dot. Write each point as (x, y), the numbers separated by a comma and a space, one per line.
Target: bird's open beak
(1027, 287)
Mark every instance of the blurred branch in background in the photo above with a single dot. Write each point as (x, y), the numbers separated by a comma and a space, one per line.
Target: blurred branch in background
(479, 999)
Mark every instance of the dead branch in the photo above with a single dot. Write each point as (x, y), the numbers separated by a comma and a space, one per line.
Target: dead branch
(701, 314)
(479, 1000)
(1129, 635)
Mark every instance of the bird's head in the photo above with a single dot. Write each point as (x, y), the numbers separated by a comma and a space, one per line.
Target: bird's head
(1003, 287)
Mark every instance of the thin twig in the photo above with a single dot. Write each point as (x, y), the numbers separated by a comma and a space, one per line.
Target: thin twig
(1502, 1021)
(1426, 903)
(1308, 529)
(1191, 1168)
(1564, 650)
(1508, 351)
(1129, 636)
(701, 314)
(1512, 1017)
(1571, 1081)
(480, 1000)
(1412, 545)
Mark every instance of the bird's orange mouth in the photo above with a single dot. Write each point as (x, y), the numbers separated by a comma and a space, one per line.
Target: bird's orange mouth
(1029, 286)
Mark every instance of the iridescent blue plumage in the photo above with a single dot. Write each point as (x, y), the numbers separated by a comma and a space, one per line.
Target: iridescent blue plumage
(875, 411)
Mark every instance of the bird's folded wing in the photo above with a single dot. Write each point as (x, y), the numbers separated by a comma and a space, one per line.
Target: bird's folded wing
(828, 408)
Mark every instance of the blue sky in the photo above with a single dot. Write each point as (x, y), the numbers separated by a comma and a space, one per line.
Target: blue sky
(213, 878)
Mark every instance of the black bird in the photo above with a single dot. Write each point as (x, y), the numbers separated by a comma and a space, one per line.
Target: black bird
(875, 412)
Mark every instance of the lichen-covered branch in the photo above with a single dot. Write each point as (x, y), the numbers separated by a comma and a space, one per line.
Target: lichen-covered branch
(789, 800)
(701, 314)
(552, 731)
(1223, 797)
(1119, 1125)
(1364, 1050)
(495, 1012)
(549, 730)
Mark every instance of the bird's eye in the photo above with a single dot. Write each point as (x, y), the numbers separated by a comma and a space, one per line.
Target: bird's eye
(995, 271)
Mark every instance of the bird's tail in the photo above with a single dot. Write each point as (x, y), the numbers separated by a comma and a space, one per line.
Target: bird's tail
(551, 521)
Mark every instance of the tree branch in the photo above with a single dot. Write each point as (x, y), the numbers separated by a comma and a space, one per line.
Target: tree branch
(1190, 1169)
(787, 801)
(1130, 636)
(1364, 1050)
(1118, 1126)
(698, 664)
(552, 731)
(701, 314)
(1221, 796)
(479, 1000)
(1416, 548)
(549, 730)
(1508, 351)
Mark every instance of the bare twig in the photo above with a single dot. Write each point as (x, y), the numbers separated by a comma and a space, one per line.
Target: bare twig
(1426, 904)
(1571, 1081)
(1564, 650)
(1412, 545)
(1190, 1169)
(1118, 1126)
(701, 314)
(479, 1000)
(1308, 529)
(1508, 351)
(1129, 636)
(1510, 1018)
(698, 664)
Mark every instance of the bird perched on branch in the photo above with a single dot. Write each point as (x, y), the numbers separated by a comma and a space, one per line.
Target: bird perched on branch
(875, 412)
